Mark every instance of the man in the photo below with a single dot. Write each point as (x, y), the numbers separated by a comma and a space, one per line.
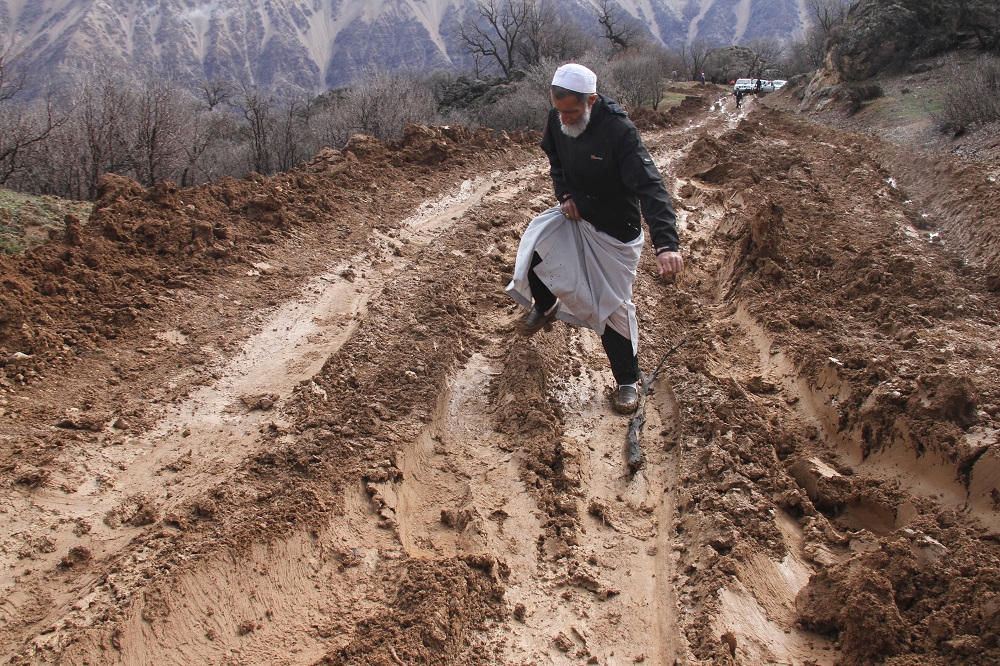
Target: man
(577, 261)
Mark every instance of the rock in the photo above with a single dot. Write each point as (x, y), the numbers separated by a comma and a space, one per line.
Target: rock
(563, 642)
(927, 550)
(29, 475)
(810, 473)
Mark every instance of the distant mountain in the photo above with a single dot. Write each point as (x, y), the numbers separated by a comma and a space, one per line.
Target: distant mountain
(318, 44)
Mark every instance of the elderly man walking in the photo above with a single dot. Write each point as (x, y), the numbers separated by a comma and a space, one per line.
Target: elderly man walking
(577, 261)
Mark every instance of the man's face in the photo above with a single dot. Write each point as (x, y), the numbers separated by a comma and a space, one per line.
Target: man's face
(573, 114)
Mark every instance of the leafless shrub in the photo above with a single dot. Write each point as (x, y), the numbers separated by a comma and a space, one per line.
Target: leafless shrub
(637, 78)
(525, 105)
(972, 99)
(380, 105)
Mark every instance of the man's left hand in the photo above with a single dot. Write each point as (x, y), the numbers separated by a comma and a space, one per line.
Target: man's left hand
(670, 263)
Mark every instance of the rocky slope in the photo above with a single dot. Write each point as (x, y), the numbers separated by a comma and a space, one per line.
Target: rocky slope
(317, 44)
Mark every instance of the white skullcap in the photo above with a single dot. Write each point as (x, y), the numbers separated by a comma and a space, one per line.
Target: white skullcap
(576, 78)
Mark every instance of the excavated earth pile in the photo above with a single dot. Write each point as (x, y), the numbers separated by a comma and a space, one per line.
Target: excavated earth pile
(291, 420)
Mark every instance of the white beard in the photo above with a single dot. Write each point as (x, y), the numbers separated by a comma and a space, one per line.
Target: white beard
(577, 128)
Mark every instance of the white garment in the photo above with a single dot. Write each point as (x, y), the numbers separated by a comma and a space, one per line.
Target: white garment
(589, 271)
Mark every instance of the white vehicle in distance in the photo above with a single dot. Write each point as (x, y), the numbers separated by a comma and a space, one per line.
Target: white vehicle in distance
(750, 85)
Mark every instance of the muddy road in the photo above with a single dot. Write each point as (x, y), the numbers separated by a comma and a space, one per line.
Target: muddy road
(290, 420)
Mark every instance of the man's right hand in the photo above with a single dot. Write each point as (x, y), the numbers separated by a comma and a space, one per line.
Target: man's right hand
(670, 263)
(569, 210)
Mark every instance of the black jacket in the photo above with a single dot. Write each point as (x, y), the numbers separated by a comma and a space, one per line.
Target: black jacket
(609, 174)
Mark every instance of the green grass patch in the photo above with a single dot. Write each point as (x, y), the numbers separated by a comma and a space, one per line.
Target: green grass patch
(25, 219)
(914, 106)
(670, 100)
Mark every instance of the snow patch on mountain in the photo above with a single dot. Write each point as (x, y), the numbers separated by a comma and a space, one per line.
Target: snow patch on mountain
(317, 44)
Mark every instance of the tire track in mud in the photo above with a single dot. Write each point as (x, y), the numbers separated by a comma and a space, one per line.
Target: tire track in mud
(213, 431)
(752, 615)
(467, 486)
(429, 487)
(588, 556)
(601, 583)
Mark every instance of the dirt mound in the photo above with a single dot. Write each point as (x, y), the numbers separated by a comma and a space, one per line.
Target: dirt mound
(435, 606)
(903, 596)
(691, 106)
(110, 275)
(866, 304)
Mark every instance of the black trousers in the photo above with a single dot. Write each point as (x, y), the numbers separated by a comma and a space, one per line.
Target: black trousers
(624, 364)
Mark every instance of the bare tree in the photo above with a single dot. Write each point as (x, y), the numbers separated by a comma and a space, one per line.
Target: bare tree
(621, 30)
(694, 56)
(105, 103)
(12, 75)
(828, 14)
(293, 141)
(256, 106)
(764, 53)
(216, 91)
(215, 146)
(494, 32)
(636, 78)
(549, 35)
(807, 52)
(23, 126)
(160, 127)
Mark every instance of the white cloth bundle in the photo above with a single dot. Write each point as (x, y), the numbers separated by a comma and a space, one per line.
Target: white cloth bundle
(589, 271)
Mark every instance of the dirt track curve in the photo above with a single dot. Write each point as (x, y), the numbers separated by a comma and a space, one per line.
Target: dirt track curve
(290, 420)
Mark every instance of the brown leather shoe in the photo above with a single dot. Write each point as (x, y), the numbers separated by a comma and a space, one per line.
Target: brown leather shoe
(626, 399)
(536, 319)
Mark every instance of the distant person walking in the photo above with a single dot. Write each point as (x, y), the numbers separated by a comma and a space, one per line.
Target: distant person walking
(738, 94)
(701, 79)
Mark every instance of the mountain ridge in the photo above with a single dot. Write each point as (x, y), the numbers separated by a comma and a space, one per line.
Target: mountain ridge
(321, 44)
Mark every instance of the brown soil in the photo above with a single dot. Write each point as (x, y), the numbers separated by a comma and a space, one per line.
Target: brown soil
(290, 420)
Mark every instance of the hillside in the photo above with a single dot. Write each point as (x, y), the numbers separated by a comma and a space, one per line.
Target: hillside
(290, 420)
(320, 45)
